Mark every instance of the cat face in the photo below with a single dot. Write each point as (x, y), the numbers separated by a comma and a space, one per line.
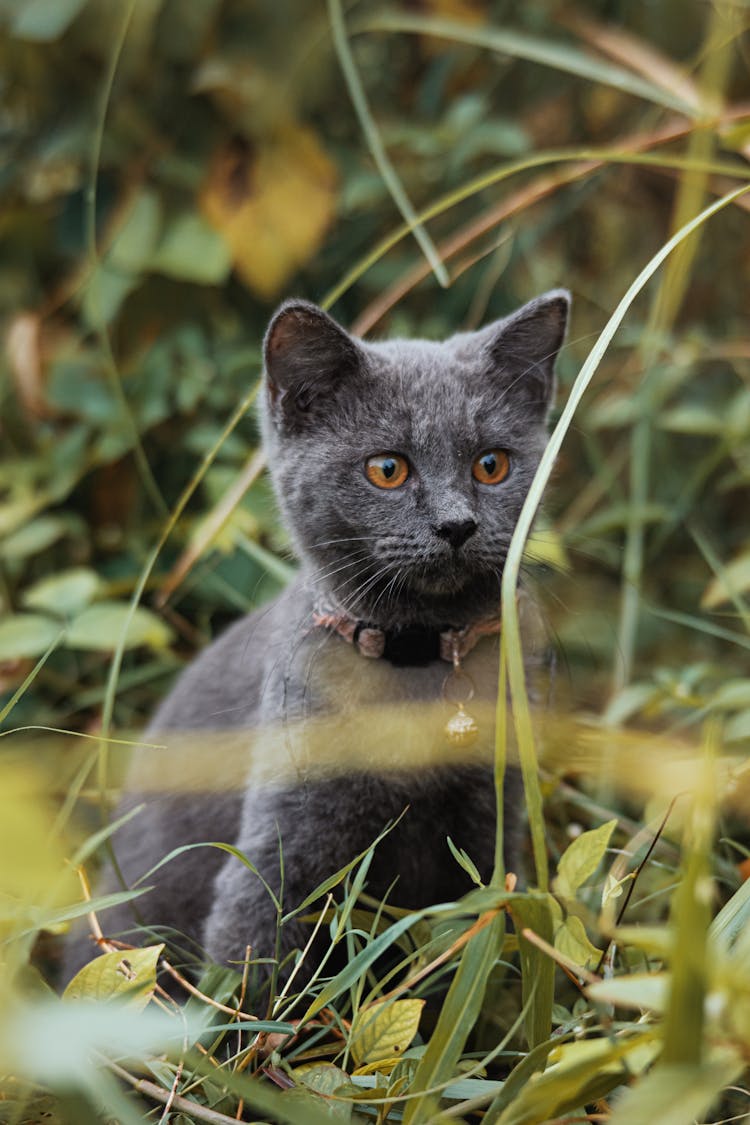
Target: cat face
(401, 466)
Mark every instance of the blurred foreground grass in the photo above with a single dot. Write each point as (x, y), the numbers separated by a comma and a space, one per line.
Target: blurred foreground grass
(156, 158)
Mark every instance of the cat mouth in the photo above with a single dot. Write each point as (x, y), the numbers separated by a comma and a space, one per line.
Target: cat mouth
(444, 574)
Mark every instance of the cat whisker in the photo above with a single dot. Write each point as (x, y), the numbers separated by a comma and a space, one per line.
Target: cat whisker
(345, 539)
(383, 595)
(357, 560)
(369, 584)
(359, 592)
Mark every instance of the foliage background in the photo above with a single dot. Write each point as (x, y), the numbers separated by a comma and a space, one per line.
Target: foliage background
(170, 171)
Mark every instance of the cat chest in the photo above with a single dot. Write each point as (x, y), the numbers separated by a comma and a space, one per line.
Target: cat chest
(346, 713)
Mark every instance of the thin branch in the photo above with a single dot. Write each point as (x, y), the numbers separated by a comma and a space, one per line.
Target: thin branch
(195, 1110)
(185, 983)
(566, 963)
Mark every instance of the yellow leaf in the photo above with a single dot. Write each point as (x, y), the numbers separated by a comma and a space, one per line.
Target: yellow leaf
(384, 1031)
(128, 975)
(572, 941)
(272, 205)
(385, 1066)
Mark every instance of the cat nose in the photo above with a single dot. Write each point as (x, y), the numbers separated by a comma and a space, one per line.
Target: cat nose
(456, 531)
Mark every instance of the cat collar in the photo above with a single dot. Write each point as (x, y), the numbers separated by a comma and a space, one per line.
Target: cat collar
(409, 645)
(415, 646)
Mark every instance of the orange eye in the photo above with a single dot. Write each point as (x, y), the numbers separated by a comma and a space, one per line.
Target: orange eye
(492, 467)
(387, 470)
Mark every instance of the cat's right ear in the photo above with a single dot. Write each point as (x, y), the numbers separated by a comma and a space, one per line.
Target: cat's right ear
(307, 354)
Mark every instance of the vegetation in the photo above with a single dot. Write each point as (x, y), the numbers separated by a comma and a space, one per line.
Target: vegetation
(171, 171)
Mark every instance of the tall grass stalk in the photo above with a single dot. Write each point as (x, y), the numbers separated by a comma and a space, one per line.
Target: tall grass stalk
(149, 481)
(375, 143)
(511, 636)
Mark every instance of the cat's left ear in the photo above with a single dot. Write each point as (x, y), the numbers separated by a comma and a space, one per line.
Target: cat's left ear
(307, 355)
(524, 345)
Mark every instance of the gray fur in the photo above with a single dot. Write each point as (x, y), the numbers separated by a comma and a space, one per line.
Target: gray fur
(280, 731)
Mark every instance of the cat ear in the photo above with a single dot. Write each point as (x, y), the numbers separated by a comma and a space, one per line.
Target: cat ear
(524, 345)
(307, 354)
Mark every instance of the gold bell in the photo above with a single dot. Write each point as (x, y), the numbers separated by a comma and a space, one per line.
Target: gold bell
(462, 728)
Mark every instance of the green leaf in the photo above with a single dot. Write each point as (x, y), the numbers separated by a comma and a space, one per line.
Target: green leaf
(133, 246)
(677, 1095)
(628, 702)
(581, 858)
(693, 419)
(738, 728)
(25, 635)
(105, 292)
(65, 593)
(128, 975)
(323, 1078)
(732, 920)
(734, 695)
(191, 250)
(657, 941)
(636, 990)
(100, 626)
(572, 941)
(44, 20)
(466, 862)
(579, 1073)
(384, 1031)
(33, 537)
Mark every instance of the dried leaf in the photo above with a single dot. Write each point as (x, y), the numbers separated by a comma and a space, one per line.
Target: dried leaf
(23, 349)
(272, 205)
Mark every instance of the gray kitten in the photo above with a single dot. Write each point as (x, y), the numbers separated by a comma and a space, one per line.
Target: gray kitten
(400, 468)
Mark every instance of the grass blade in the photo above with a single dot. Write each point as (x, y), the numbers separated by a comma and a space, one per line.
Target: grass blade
(691, 915)
(377, 149)
(521, 45)
(458, 1014)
